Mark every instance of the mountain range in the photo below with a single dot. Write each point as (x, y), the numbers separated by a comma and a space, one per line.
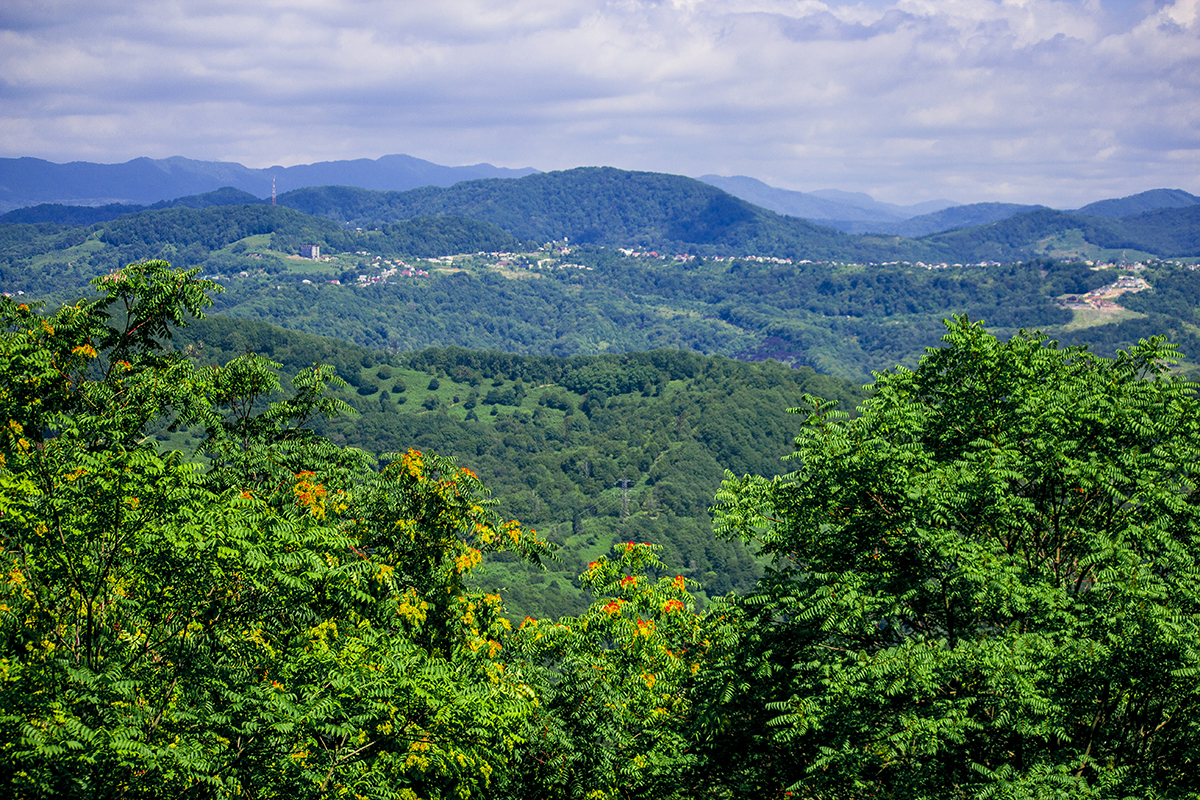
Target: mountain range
(824, 204)
(149, 183)
(650, 211)
(143, 181)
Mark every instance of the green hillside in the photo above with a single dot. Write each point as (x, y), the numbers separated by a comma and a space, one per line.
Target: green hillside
(1118, 207)
(1164, 233)
(588, 450)
(394, 288)
(616, 208)
(841, 320)
(48, 258)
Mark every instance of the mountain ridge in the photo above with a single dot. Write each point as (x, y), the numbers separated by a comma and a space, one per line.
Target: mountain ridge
(31, 181)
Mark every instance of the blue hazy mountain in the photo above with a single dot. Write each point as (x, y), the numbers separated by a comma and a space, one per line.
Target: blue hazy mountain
(143, 181)
(946, 219)
(61, 214)
(823, 205)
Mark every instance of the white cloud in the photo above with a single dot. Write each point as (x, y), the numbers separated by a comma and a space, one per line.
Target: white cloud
(1029, 100)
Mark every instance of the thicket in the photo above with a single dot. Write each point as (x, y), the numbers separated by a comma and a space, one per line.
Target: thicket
(566, 435)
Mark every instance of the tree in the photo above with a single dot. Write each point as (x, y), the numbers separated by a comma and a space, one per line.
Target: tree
(613, 688)
(290, 619)
(985, 584)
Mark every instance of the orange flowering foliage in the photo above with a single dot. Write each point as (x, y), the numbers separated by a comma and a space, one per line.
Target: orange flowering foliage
(630, 659)
(310, 494)
(282, 568)
(612, 606)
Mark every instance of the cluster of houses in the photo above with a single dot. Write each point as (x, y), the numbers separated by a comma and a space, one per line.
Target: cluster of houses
(398, 268)
(1104, 298)
(634, 253)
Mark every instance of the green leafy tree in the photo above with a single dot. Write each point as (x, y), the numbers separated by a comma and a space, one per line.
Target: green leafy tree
(985, 585)
(287, 620)
(613, 684)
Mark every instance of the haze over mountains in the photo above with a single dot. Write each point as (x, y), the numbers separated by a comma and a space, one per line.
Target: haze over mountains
(824, 204)
(30, 181)
(146, 182)
(619, 208)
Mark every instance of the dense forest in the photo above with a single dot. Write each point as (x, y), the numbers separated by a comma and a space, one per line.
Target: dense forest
(617, 208)
(589, 450)
(842, 319)
(982, 583)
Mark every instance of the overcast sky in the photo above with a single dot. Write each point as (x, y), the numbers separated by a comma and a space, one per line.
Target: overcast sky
(1055, 102)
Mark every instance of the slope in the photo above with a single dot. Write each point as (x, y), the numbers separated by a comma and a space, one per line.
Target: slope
(611, 207)
(589, 450)
(1118, 207)
(947, 219)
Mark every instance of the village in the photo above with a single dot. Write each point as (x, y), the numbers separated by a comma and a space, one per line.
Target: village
(1104, 298)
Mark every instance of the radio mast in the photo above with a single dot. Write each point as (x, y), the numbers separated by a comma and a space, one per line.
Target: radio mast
(272, 190)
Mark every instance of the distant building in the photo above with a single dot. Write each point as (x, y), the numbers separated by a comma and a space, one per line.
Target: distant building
(312, 251)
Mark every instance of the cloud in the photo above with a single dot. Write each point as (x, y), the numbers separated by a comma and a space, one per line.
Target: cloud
(1050, 101)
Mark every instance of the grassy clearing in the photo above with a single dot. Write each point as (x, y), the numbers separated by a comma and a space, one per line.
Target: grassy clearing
(1090, 318)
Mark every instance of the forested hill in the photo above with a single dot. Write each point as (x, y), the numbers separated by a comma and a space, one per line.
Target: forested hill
(589, 450)
(602, 205)
(617, 208)
(840, 319)
(1166, 233)
(49, 257)
(674, 214)
(1118, 207)
(59, 214)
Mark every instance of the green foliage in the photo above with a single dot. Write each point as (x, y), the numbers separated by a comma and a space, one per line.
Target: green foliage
(287, 620)
(845, 321)
(613, 683)
(983, 585)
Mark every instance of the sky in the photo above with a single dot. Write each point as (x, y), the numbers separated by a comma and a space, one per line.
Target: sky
(1060, 102)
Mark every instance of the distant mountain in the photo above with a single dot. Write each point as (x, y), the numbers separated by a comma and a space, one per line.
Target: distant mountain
(865, 201)
(33, 181)
(791, 203)
(225, 196)
(826, 204)
(1167, 233)
(607, 206)
(1139, 203)
(59, 214)
(944, 220)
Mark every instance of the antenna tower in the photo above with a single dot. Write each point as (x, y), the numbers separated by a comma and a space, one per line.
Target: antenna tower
(272, 190)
